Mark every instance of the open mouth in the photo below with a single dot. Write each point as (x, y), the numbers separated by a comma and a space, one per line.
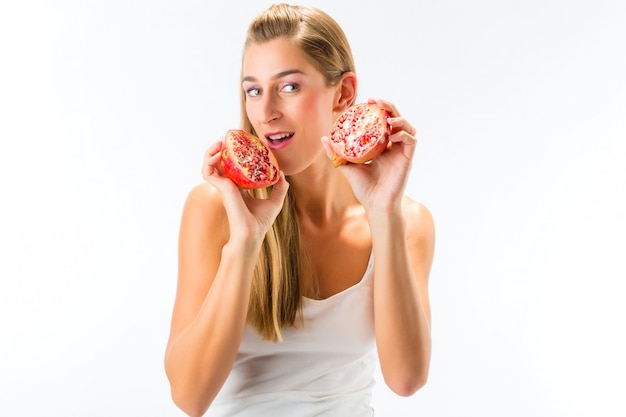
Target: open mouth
(279, 140)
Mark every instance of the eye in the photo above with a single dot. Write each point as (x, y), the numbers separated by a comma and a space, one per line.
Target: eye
(253, 92)
(290, 87)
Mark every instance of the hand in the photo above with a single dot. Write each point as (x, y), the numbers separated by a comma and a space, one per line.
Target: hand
(246, 214)
(381, 183)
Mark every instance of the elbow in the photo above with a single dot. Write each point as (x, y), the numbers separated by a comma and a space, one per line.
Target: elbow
(407, 385)
(186, 396)
(190, 406)
(191, 391)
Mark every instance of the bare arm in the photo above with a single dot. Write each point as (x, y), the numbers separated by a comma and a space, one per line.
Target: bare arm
(403, 253)
(210, 307)
(216, 263)
(403, 244)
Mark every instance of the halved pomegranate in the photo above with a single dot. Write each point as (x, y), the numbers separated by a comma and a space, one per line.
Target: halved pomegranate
(247, 160)
(360, 134)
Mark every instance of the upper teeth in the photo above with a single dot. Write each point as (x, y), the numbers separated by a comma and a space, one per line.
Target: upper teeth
(279, 136)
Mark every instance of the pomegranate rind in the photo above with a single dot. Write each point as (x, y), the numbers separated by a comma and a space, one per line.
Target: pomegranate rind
(247, 161)
(359, 134)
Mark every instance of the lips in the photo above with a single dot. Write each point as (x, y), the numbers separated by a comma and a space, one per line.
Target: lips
(279, 140)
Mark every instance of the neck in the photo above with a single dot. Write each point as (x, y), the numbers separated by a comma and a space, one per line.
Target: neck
(322, 196)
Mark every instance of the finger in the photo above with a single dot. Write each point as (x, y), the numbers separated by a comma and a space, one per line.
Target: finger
(214, 177)
(408, 143)
(327, 148)
(400, 124)
(210, 166)
(395, 120)
(213, 149)
(386, 105)
(232, 195)
(403, 137)
(279, 191)
(211, 160)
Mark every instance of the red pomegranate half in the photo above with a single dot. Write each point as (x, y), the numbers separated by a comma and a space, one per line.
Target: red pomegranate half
(248, 161)
(360, 134)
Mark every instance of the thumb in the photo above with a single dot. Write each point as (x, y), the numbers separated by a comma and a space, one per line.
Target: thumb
(279, 191)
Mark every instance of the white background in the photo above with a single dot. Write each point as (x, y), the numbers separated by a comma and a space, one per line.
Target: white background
(107, 106)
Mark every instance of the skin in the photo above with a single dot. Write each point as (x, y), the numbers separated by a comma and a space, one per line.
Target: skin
(344, 213)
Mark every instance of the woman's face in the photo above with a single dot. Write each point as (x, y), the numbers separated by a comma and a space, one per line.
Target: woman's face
(288, 102)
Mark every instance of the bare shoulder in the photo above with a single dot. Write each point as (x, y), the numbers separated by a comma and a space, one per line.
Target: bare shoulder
(203, 231)
(204, 214)
(204, 194)
(418, 218)
(420, 223)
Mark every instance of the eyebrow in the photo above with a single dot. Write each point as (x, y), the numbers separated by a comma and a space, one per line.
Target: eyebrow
(276, 76)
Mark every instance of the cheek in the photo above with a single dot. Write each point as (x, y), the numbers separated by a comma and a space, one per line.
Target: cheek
(249, 110)
(318, 111)
(252, 114)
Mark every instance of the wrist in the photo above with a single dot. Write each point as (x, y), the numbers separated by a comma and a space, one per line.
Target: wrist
(386, 220)
(246, 245)
(383, 206)
(381, 212)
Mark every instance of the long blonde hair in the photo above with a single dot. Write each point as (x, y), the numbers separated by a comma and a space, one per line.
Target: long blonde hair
(275, 299)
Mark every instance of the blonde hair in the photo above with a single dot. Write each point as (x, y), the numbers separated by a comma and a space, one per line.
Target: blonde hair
(275, 299)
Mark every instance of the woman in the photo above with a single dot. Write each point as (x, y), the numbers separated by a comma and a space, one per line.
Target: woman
(284, 302)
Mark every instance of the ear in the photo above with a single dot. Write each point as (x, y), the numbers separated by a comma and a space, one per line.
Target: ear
(345, 94)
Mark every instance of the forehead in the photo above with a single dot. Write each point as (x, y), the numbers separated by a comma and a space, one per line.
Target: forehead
(264, 60)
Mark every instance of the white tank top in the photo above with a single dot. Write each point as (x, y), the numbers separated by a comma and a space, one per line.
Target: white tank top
(324, 367)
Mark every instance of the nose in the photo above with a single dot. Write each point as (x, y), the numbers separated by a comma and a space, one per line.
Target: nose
(269, 109)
